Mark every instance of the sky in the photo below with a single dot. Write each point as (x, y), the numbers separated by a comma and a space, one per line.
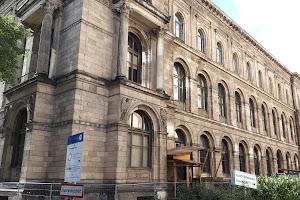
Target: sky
(275, 24)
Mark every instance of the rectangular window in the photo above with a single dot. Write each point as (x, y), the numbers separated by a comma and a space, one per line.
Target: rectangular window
(138, 151)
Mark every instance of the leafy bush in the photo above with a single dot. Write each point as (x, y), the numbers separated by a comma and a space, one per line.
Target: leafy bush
(268, 188)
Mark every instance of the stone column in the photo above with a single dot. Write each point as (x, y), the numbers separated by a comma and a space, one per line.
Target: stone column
(45, 39)
(122, 70)
(160, 59)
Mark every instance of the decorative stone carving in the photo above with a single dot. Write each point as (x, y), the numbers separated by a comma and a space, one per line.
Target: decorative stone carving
(30, 107)
(163, 116)
(125, 103)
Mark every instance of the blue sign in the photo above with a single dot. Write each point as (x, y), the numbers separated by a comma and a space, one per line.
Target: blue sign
(74, 158)
(289, 174)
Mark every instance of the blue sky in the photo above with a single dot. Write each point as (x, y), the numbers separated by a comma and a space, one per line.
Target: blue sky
(274, 24)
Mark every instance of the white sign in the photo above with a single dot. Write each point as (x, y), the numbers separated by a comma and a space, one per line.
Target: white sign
(243, 179)
(74, 158)
(69, 190)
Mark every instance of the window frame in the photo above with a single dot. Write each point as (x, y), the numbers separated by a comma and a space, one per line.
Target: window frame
(202, 92)
(252, 113)
(256, 160)
(238, 107)
(226, 157)
(180, 77)
(131, 53)
(248, 71)
(242, 158)
(235, 63)
(222, 100)
(260, 80)
(219, 53)
(207, 167)
(180, 22)
(200, 40)
(143, 133)
(264, 117)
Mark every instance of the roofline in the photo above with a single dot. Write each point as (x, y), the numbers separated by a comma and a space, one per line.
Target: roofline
(231, 23)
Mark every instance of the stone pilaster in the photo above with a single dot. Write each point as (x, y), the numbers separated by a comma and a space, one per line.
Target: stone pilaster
(45, 39)
(160, 59)
(122, 70)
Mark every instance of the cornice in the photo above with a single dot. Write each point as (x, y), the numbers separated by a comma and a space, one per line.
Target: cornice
(241, 32)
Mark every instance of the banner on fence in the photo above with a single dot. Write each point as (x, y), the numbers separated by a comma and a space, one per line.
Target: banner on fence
(74, 158)
(243, 179)
(71, 190)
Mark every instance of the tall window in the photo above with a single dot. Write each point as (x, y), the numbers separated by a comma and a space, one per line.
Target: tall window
(238, 107)
(296, 162)
(242, 158)
(219, 53)
(252, 113)
(270, 86)
(139, 140)
(260, 79)
(200, 40)
(180, 139)
(264, 117)
(274, 122)
(283, 125)
(204, 144)
(221, 97)
(18, 139)
(235, 63)
(256, 161)
(134, 58)
(225, 160)
(202, 92)
(179, 86)
(288, 161)
(178, 26)
(248, 72)
(279, 91)
(269, 169)
(279, 161)
(292, 129)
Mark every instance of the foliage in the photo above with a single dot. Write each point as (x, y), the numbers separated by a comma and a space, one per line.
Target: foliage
(268, 188)
(11, 33)
(281, 188)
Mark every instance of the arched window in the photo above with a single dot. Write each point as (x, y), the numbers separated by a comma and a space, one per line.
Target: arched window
(268, 159)
(180, 139)
(296, 162)
(134, 58)
(18, 139)
(283, 126)
(235, 63)
(179, 82)
(238, 107)
(219, 53)
(292, 129)
(288, 161)
(279, 161)
(274, 122)
(226, 159)
(202, 92)
(200, 40)
(204, 144)
(248, 72)
(139, 140)
(260, 79)
(221, 97)
(287, 97)
(179, 26)
(242, 158)
(252, 113)
(264, 117)
(270, 86)
(256, 161)
(279, 91)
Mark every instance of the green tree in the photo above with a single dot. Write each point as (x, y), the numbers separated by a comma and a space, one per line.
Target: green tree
(11, 33)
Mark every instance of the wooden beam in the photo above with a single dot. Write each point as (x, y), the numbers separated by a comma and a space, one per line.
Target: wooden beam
(175, 180)
(187, 176)
(222, 155)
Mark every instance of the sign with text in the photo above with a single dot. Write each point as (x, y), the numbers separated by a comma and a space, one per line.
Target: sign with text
(71, 190)
(74, 158)
(243, 179)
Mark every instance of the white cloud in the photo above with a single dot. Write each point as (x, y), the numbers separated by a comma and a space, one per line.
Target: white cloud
(278, 27)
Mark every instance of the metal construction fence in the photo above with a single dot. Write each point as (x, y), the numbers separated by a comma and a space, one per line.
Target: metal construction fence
(50, 191)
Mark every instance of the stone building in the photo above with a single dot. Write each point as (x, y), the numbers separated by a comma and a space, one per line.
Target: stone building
(141, 78)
